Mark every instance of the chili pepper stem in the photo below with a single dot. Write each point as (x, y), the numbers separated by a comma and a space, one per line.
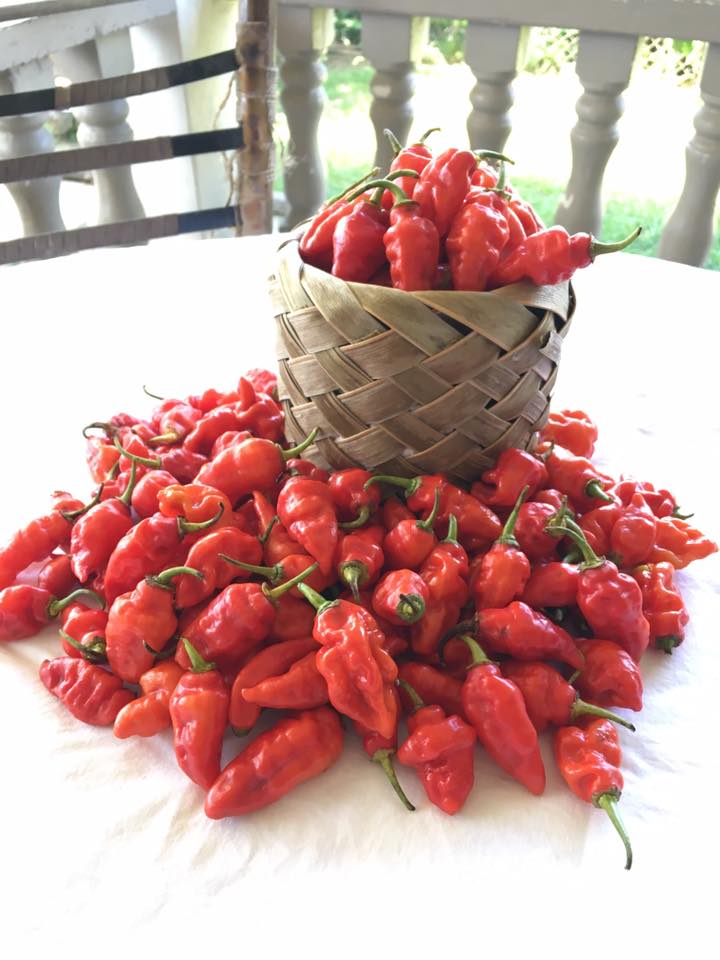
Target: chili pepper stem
(107, 428)
(112, 473)
(148, 394)
(289, 584)
(667, 644)
(315, 598)
(353, 186)
(351, 573)
(292, 452)
(130, 486)
(681, 516)
(452, 533)
(417, 701)
(597, 247)
(272, 573)
(395, 144)
(479, 657)
(411, 607)
(163, 579)
(384, 758)
(608, 803)
(266, 533)
(581, 709)
(167, 438)
(427, 133)
(57, 606)
(94, 652)
(429, 522)
(409, 486)
(74, 514)
(184, 526)
(575, 532)
(163, 654)
(508, 531)
(594, 489)
(359, 521)
(492, 155)
(145, 461)
(198, 663)
(241, 731)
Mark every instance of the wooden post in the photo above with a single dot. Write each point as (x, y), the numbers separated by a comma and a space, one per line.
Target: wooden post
(256, 112)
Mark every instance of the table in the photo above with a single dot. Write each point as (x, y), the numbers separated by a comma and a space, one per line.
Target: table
(102, 838)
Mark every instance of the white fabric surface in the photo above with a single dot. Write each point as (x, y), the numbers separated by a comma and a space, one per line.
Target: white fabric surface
(103, 840)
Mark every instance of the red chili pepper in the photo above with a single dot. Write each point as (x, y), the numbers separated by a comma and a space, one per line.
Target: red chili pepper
(661, 502)
(597, 525)
(254, 464)
(409, 543)
(495, 707)
(551, 256)
(293, 619)
(678, 543)
(609, 677)
(526, 214)
(662, 605)
(175, 423)
(578, 478)
(287, 569)
(550, 700)
(90, 693)
(432, 685)
(414, 157)
(207, 401)
(633, 535)
(140, 624)
(228, 439)
(293, 751)
(220, 420)
(270, 662)
(573, 430)
(530, 528)
(394, 512)
(442, 750)
(381, 751)
(301, 687)
(145, 495)
(57, 577)
(514, 471)
(207, 556)
(358, 248)
(361, 558)
(199, 713)
(195, 502)
(101, 457)
(552, 585)
(504, 570)
(589, 762)
(25, 610)
(144, 716)
(442, 186)
(182, 463)
(358, 671)
(307, 512)
(412, 245)
(400, 597)
(355, 505)
(476, 238)
(277, 542)
(83, 632)
(298, 467)
(262, 381)
(526, 634)
(316, 243)
(164, 675)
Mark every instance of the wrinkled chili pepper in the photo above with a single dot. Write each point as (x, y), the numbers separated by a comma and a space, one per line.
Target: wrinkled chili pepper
(577, 477)
(504, 570)
(414, 157)
(199, 714)
(526, 634)
(298, 467)
(175, 423)
(400, 597)
(276, 541)
(609, 677)
(293, 751)
(358, 671)
(410, 542)
(307, 511)
(381, 751)
(573, 430)
(432, 685)
(355, 505)
(90, 693)
(476, 238)
(101, 457)
(412, 244)
(589, 761)
(144, 717)
(597, 525)
(300, 687)
(442, 750)
(195, 502)
(530, 528)
(361, 558)
(495, 707)
(678, 543)
(514, 471)
(552, 584)
(164, 675)
(661, 502)
(83, 632)
(25, 610)
(57, 577)
(663, 605)
(442, 186)
(182, 463)
(207, 556)
(633, 534)
(293, 619)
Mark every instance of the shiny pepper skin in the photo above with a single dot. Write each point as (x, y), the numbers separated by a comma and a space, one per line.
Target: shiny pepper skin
(504, 569)
(526, 634)
(609, 676)
(217, 573)
(280, 759)
(101, 456)
(400, 597)
(361, 557)
(354, 504)
(552, 584)
(84, 625)
(530, 532)
(442, 187)
(307, 512)
(95, 536)
(270, 662)
(412, 246)
(661, 502)
(25, 610)
(277, 542)
(145, 495)
(408, 544)
(441, 748)
(144, 717)
(254, 464)
(147, 548)
(182, 463)
(662, 605)
(316, 243)
(633, 535)
(578, 478)
(38, 539)
(445, 573)
(358, 248)
(432, 686)
(678, 543)
(196, 502)
(515, 469)
(573, 430)
(475, 241)
(90, 693)
(597, 525)
(611, 602)
(57, 576)
(300, 687)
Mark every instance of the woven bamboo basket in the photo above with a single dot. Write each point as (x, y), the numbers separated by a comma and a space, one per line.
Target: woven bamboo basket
(408, 383)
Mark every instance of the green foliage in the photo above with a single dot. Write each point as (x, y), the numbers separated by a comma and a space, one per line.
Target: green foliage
(449, 38)
(348, 28)
(549, 50)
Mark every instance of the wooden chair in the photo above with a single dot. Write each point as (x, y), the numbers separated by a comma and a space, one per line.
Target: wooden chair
(250, 209)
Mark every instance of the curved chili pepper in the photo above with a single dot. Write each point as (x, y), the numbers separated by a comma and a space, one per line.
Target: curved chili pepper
(301, 687)
(316, 243)
(410, 542)
(361, 558)
(495, 707)
(293, 751)
(57, 577)
(661, 502)
(550, 700)
(442, 186)
(432, 685)
(551, 256)
(633, 535)
(526, 634)
(400, 597)
(211, 398)
(609, 677)
(678, 543)
(195, 502)
(573, 430)
(90, 693)
(514, 471)
(140, 624)
(254, 464)
(83, 632)
(394, 512)
(208, 556)
(270, 662)
(358, 248)
(354, 504)
(25, 610)
(552, 584)
(219, 420)
(358, 671)
(307, 512)
(445, 572)
(589, 762)
(578, 478)
(442, 750)
(504, 570)
(144, 717)
(663, 605)
(144, 498)
(199, 715)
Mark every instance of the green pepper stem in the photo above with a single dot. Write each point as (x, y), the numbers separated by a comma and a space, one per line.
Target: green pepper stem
(163, 654)
(198, 664)
(71, 515)
(112, 472)
(452, 530)
(597, 247)
(153, 395)
(593, 488)
(429, 521)
(300, 447)
(492, 155)
(167, 438)
(668, 644)
(410, 607)
(427, 133)
(163, 579)
(608, 803)
(508, 531)
(184, 526)
(380, 186)
(94, 651)
(56, 607)
(417, 701)
(354, 574)
(266, 532)
(359, 521)
(129, 486)
(315, 598)
(384, 758)
(479, 657)
(576, 534)
(581, 708)
(289, 584)
(272, 573)
(145, 461)
(681, 516)
(409, 486)
(353, 186)
(395, 144)
(107, 428)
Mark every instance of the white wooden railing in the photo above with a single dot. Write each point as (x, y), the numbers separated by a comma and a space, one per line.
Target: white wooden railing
(100, 42)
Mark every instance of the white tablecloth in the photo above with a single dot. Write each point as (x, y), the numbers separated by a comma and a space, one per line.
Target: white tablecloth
(105, 842)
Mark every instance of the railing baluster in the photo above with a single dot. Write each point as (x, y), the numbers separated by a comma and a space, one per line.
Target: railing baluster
(604, 64)
(688, 234)
(392, 44)
(105, 123)
(491, 52)
(38, 201)
(303, 36)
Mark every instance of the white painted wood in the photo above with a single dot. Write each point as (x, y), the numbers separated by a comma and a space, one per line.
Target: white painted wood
(303, 35)
(105, 123)
(688, 234)
(491, 52)
(392, 44)
(603, 65)
(42, 8)
(37, 200)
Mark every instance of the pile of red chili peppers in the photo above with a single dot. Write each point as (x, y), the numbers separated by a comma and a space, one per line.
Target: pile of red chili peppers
(215, 576)
(448, 221)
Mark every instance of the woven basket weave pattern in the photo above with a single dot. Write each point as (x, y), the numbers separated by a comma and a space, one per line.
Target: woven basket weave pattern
(408, 383)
